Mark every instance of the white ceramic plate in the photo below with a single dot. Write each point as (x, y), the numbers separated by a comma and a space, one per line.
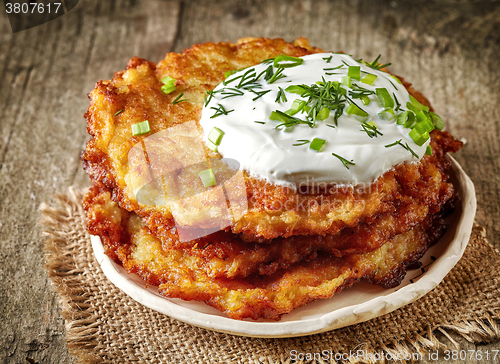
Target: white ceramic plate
(359, 303)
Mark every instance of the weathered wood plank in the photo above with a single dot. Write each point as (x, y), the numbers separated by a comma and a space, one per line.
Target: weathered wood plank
(448, 49)
(46, 73)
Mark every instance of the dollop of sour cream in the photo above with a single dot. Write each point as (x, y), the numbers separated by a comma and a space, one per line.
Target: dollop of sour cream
(350, 154)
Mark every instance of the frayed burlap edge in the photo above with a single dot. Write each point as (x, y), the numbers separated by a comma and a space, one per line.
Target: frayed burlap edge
(81, 322)
(63, 222)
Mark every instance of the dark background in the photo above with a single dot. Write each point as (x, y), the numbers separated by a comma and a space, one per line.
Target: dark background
(448, 49)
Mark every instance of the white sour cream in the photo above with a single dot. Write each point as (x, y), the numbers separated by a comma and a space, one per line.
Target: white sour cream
(269, 153)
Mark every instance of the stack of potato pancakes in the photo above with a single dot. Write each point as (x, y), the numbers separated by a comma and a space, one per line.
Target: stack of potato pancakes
(288, 246)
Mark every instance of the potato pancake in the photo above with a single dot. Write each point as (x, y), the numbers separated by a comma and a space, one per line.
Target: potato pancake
(273, 211)
(179, 273)
(170, 208)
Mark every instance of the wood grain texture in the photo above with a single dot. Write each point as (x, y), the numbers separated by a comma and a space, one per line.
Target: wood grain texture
(448, 49)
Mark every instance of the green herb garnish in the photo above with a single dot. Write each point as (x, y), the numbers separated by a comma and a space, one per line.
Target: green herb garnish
(178, 99)
(259, 94)
(369, 79)
(140, 128)
(220, 110)
(281, 97)
(317, 144)
(406, 146)
(375, 65)
(168, 85)
(398, 105)
(287, 120)
(230, 92)
(276, 75)
(215, 135)
(327, 59)
(344, 161)
(207, 177)
(301, 142)
(283, 61)
(370, 129)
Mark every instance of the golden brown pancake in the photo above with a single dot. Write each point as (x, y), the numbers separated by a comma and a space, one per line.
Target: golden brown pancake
(289, 246)
(114, 156)
(180, 274)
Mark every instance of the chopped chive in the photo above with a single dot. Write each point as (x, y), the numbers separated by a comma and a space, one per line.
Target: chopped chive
(317, 144)
(247, 78)
(418, 137)
(406, 146)
(300, 142)
(392, 83)
(212, 146)
(281, 97)
(296, 89)
(207, 177)
(229, 73)
(344, 161)
(168, 84)
(393, 144)
(384, 98)
(259, 122)
(366, 100)
(398, 105)
(424, 121)
(178, 99)
(357, 112)
(437, 121)
(215, 135)
(354, 72)
(333, 68)
(297, 106)
(415, 106)
(370, 129)
(209, 98)
(287, 120)
(230, 92)
(369, 79)
(330, 125)
(357, 92)
(259, 94)
(166, 89)
(428, 150)
(406, 118)
(140, 128)
(167, 80)
(396, 78)
(346, 80)
(285, 61)
(220, 110)
(323, 114)
(327, 59)
(375, 65)
(118, 112)
(387, 114)
(276, 76)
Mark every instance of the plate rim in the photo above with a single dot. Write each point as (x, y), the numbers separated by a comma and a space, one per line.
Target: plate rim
(332, 320)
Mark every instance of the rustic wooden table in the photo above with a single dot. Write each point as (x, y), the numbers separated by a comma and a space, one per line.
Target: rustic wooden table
(449, 49)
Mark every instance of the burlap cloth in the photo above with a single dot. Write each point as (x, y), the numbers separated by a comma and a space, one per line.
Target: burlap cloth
(103, 325)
